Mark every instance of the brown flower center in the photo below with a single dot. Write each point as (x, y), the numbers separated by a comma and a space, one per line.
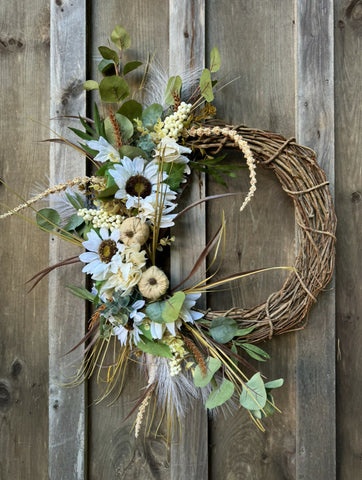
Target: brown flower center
(138, 186)
(107, 249)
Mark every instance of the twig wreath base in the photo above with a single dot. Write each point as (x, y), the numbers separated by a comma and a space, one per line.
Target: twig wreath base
(305, 182)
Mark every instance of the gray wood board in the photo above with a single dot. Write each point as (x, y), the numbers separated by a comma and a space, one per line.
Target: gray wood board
(113, 450)
(315, 414)
(348, 103)
(24, 73)
(67, 435)
(189, 456)
(256, 45)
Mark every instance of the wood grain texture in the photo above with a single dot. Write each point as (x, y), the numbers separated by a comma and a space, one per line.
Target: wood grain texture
(315, 414)
(114, 453)
(24, 74)
(66, 314)
(348, 103)
(256, 46)
(189, 456)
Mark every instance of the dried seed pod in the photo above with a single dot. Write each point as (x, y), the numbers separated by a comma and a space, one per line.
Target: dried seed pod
(153, 284)
(133, 230)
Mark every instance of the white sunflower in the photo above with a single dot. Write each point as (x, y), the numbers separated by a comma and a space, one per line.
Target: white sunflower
(139, 181)
(102, 251)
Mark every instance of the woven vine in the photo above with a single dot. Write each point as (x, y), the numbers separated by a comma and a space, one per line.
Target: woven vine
(305, 182)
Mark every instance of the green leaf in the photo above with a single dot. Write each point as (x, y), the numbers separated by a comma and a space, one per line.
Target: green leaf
(106, 67)
(172, 307)
(145, 143)
(108, 192)
(175, 173)
(220, 395)
(173, 88)
(109, 54)
(113, 89)
(145, 332)
(125, 127)
(157, 349)
(154, 311)
(131, 152)
(83, 135)
(223, 329)
(268, 409)
(253, 395)
(74, 222)
(244, 331)
(212, 366)
(151, 114)
(47, 219)
(76, 201)
(97, 122)
(120, 38)
(90, 85)
(255, 352)
(274, 384)
(131, 66)
(81, 293)
(206, 86)
(215, 60)
(131, 109)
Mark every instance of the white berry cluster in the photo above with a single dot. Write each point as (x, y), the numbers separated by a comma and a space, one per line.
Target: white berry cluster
(101, 218)
(173, 124)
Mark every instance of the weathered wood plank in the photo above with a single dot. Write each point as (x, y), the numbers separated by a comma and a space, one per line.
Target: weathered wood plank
(66, 314)
(256, 44)
(113, 450)
(24, 74)
(189, 456)
(348, 103)
(315, 414)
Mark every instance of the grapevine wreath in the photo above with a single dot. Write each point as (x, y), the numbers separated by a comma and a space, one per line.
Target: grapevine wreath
(142, 148)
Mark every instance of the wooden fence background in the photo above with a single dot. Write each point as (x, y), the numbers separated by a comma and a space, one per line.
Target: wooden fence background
(298, 71)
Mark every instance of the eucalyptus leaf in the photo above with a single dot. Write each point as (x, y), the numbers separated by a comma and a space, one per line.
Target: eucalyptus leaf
(215, 60)
(253, 395)
(212, 366)
(150, 115)
(154, 312)
(120, 38)
(223, 329)
(90, 85)
(206, 85)
(109, 54)
(255, 352)
(244, 331)
(274, 383)
(131, 109)
(145, 332)
(172, 307)
(47, 219)
(131, 152)
(220, 394)
(74, 222)
(173, 88)
(106, 67)
(113, 89)
(154, 348)
(130, 66)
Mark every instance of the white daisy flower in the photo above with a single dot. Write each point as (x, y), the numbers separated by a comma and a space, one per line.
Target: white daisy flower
(147, 211)
(105, 149)
(102, 250)
(169, 151)
(140, 182)
(130, 331)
